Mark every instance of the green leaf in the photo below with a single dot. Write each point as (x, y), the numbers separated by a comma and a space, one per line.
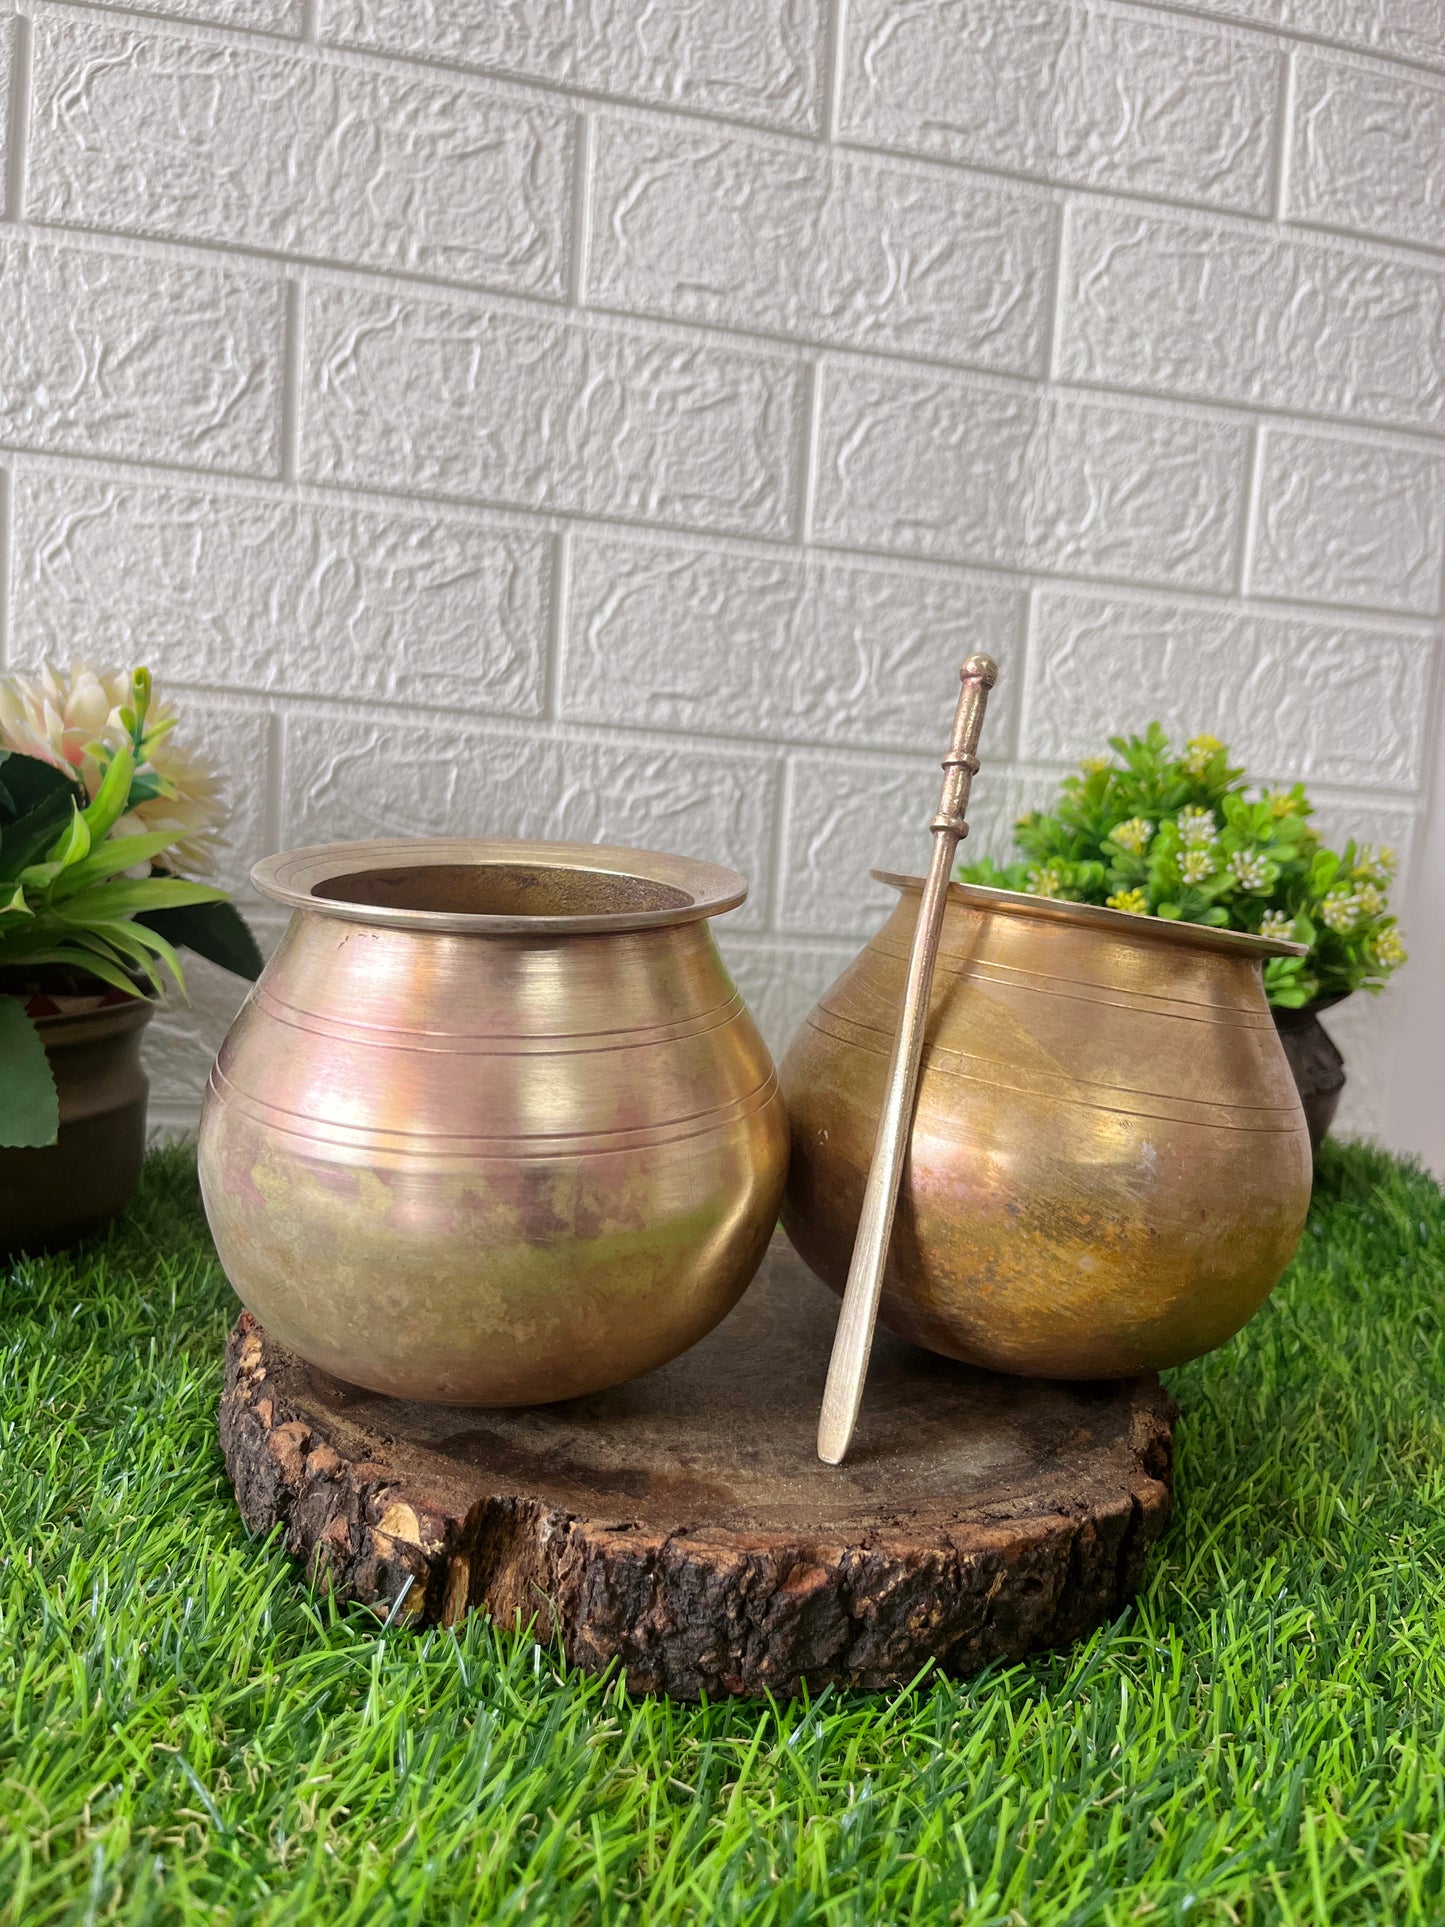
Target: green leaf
(113, 796)
(117, 853)
(145, 788)
(33, 833)
(108, 971)
(68, 851)
(1324, 867)
(37, 879)
(123, 951)
(73, 957)
(136, 946)
(73, 843)
(29, 1106)
(27, 781)
(133, 896)
(155, 945)
(218, 932)
(144, 945)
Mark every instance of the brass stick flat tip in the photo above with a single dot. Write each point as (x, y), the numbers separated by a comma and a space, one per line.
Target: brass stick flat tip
(980, 669)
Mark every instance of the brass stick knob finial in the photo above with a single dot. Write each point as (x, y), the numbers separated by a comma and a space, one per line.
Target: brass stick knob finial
(853, 1341)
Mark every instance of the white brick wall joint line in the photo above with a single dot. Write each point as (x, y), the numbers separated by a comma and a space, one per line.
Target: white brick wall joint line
(17, 110)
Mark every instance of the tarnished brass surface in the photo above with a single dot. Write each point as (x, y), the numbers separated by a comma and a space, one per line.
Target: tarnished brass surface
(494, 1127)
(1109, 1165)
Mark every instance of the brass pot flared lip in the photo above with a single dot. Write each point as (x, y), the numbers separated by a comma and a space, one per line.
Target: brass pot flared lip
(693, 890)
(1195, 936)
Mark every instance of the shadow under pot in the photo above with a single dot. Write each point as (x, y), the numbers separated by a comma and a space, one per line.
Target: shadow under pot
(1109, 1166)
(494, 1126)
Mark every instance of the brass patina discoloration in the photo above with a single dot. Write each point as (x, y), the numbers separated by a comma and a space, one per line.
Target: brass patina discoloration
(494, 1127)
(1109, 1165)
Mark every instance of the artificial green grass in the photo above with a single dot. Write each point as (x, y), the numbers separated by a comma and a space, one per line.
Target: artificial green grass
(186, 1734)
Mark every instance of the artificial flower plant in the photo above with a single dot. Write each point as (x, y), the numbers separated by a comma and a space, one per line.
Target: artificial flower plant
(1170, 835)
(101, 817)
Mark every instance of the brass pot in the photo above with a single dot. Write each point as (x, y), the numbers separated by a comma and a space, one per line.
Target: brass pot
(53, 1194)
(1109, 1165)
(494, 1127)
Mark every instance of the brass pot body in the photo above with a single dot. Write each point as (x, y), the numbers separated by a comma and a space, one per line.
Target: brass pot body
(494, 1126)
(1109, 1166)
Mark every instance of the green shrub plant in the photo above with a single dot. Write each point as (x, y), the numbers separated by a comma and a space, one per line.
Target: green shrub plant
(1179, 836)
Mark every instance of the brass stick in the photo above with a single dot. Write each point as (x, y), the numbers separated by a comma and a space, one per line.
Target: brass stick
(853, 1340)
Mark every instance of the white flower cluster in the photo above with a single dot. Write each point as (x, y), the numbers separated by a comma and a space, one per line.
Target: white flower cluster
(1389, 951)
(1277, 924)
(1196, 863)
(1341, 910)
(1132, 835)
(1251, 869)
(1370, 898)
(1198, 752)
(1197, 826)
(1044, 882)
(1376, 866)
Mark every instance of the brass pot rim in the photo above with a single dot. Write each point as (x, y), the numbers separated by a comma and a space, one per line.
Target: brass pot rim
(294, 877)
(1194, 936)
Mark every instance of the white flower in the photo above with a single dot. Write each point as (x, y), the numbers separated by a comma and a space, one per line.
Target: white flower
(73, 720)
(1390, 953)
(1196, 864)
(1340, 910)
(1370, 898)
(1275, 923)
(1044, 882)
(1251, 869)
(1197, 753)
(1197, 826)
(1132, 835)
(1376, 866)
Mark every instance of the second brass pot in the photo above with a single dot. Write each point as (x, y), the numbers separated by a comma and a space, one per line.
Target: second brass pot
(1109, 1166)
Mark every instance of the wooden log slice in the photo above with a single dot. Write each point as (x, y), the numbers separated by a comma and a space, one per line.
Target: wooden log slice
(682, 1524)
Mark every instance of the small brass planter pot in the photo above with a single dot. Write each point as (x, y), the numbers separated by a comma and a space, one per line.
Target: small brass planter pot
(1109, 1166)
(494, 1127)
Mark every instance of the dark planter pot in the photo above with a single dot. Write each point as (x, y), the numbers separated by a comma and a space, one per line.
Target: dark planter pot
(56, 1193)
(1319, 1069)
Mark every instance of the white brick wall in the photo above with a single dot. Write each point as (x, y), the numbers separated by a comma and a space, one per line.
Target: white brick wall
(616, 418)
